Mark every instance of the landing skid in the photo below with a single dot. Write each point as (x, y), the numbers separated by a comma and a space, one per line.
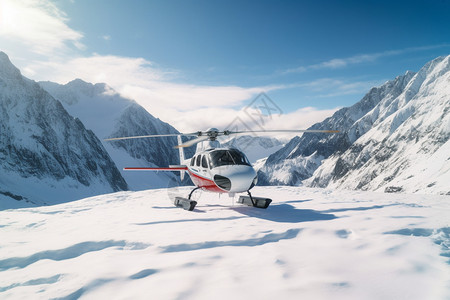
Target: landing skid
(188, 204)
(258, 202)
(184, 203)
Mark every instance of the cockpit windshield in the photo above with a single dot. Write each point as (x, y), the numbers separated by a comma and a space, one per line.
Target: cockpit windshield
(228, 157)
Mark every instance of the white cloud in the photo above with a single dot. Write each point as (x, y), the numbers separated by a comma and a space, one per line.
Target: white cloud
(139, 79)
(336, 63)
(114, 70)
(332, 87)
(38, 25)
(234, 119)
(153, 88)
(302, 118)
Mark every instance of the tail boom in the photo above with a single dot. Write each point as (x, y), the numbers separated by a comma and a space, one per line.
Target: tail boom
(169, 168)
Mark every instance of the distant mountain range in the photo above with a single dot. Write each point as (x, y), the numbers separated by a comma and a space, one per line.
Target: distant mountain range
(396, 139)
(108, 114)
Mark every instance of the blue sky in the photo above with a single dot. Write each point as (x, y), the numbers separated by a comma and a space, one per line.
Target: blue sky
(209, 59)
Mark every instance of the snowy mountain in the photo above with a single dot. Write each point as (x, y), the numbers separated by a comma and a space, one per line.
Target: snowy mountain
(309, 244)
(108, 114)
(254, 147)
(406, 146)
(303, 155)
(395, 139)
(46, 155)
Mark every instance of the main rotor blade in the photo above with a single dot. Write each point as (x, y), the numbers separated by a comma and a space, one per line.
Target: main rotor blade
(280, 131)
(150, 136)
(194, 141)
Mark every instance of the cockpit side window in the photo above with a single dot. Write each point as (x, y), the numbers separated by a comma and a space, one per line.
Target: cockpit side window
(204, 162)
(193, 161)
(198, 160)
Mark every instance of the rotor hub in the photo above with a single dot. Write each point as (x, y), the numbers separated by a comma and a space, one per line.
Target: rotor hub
(212, 133)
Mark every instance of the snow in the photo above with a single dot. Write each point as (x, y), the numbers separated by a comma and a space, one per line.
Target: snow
(46, 190)
(309, 244)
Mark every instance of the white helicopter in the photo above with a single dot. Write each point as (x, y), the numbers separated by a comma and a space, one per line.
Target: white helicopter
(214, 168)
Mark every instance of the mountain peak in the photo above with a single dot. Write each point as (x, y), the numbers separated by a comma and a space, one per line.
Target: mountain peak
(79, 82)
(81, 86)
(7, 69)
(88, 88)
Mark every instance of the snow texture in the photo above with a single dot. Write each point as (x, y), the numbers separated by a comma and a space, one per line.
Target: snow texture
(309, 244)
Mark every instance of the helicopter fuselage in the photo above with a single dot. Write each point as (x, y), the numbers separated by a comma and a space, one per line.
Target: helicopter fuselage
(221, 170)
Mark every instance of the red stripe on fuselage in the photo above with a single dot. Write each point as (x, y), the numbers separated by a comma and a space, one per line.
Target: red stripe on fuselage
(205, 183)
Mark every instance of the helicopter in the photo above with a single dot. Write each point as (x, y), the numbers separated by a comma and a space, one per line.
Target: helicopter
(215, 168)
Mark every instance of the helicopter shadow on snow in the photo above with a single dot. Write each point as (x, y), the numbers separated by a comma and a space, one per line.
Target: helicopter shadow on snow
(285, 213)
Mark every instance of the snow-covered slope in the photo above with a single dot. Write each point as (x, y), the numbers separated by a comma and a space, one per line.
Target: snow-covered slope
(395, 139)
(406, 140)
(254, 147)
(46, 155)
(309, 244)
(303, 155)
(108, 114)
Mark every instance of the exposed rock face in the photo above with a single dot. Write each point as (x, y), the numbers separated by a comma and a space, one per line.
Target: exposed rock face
(46, 155)
(406, 147)
(303, 155)
(108, 114)
(396, 139)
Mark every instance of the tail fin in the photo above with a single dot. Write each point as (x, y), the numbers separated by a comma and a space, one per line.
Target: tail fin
(181, 149)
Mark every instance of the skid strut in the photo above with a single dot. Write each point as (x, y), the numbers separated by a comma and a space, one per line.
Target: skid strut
(258, 202)
(190, 194)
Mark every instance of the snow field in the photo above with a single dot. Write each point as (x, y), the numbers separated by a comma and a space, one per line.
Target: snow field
(309, 244)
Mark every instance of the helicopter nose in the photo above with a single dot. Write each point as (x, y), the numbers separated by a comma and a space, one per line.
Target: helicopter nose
(242, 181)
